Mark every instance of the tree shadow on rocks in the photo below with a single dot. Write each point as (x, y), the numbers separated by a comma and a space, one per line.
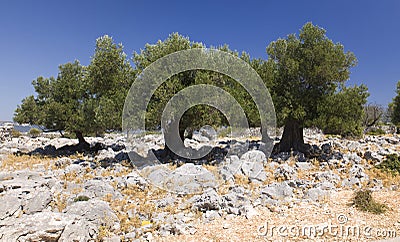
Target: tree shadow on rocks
(215, 156)
(68, 150)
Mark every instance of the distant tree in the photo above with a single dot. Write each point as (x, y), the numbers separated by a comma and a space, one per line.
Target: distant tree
(82, 100)
(308, 69)
(26, 113)
(373, 114)
(387, 113)
(394, 109)
(342, 112)
(59, 100)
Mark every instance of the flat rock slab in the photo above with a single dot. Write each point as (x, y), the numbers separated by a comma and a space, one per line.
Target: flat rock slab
(46, 226)
(95, 211)
(10, 205)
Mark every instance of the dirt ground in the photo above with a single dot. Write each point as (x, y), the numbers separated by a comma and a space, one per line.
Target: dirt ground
(332, 220)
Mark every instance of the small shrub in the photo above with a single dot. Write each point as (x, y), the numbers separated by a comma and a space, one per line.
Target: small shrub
(377, 131)
(391, 164)
(225, 132)
(151, 132)
(34, 132)
(364, 201)
(81, 199)
(333, 136)
(15, 133)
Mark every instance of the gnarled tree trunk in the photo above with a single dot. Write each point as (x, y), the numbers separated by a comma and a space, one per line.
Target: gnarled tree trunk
(292, 137)
(83, 145)
(172, 139)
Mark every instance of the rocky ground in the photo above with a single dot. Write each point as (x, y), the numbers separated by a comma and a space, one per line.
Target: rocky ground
(242, 197)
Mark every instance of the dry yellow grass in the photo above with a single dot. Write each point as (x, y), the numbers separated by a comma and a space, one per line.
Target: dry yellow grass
(387, 178)
(59, 202)
(14, 162)
(137, 201)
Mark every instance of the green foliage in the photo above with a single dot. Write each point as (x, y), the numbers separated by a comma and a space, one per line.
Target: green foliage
(364, 201)
(377, 131)
(34, 132)
(27, 112)
(395, 107)
(305, 75)
(225, 132)
(15, 133)
(199, 115)
(342, 112)
(390, 164)
(84, 99)
(308, 69)
(81, 198)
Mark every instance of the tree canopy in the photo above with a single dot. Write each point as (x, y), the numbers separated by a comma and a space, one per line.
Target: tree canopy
(305, 75)
(395, 107)
(308, 70)
(198, 115)
(343, 113)
(85, 100)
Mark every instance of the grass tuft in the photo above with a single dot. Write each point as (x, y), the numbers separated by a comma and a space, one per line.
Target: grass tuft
(81, 199)
(391, 164)
(364, 201)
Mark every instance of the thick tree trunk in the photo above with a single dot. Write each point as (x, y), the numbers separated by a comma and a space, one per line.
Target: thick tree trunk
(169, 138)
(292, 137)
(82, 142)
(182, 134)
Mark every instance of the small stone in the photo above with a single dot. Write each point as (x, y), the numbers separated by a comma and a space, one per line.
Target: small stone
(303, 165)
(130, 236)
(209, 200)
(285, 171)
(148, 236)
(114, 238)
(249, 211)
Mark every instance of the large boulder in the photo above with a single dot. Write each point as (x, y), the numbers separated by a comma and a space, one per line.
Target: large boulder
(40, 199)
(317, 194)
(254, 156)
(285, 171)
(95, 211)
(209, 200)
(254, 171)
(253, 165)
(277, 190)
(190, 178)
(79, 230)
(230, 167)
(10, 206)
(100, 189)
(47, 226)
(186, 179)
(237, 201)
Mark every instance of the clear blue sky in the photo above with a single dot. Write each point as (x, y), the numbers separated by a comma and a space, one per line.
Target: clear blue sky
(37, 36)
